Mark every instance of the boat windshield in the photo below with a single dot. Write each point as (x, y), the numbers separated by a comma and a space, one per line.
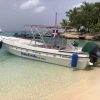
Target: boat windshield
(49, 37)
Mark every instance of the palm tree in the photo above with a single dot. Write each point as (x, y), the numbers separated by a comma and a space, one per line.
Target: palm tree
(64, 23)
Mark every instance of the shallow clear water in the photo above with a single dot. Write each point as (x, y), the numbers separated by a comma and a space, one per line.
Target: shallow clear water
(24, 79)
(19, 76)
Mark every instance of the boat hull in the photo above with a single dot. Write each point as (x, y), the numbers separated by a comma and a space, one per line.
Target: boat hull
(45, 57)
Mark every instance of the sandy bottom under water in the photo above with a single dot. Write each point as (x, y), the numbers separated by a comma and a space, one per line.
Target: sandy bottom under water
(23, 79)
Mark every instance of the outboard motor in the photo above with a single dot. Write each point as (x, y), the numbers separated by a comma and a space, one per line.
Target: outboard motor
(0, 44)
(94, 51)
(95, 54)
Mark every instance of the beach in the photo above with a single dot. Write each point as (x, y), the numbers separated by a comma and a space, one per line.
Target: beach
(87, 88)
(24, 79)
(78, 35)
(49, 50)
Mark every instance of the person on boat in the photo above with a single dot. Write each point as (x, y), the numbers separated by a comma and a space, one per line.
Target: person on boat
(55, 37)
(55, 33)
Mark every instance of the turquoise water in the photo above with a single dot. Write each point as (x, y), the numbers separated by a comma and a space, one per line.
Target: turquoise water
(24, 79)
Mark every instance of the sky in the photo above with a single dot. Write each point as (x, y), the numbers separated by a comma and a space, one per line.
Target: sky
(14, 14)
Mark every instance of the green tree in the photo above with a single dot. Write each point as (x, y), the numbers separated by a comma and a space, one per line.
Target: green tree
(88, 15)
(64, 23)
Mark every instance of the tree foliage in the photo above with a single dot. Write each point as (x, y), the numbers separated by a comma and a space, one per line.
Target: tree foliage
(64, 22)
(88, 15)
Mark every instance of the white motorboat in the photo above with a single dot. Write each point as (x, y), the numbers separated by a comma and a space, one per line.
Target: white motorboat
(42, 52)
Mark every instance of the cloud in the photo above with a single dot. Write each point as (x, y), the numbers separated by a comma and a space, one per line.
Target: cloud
(39, 9)
(78, 5)
(35, 5)
(90, 1)
(30, 4)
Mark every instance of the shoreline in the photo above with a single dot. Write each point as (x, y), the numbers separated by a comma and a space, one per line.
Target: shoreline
(77, 35)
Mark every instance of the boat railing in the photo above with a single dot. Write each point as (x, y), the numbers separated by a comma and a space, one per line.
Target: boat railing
(36, 32)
